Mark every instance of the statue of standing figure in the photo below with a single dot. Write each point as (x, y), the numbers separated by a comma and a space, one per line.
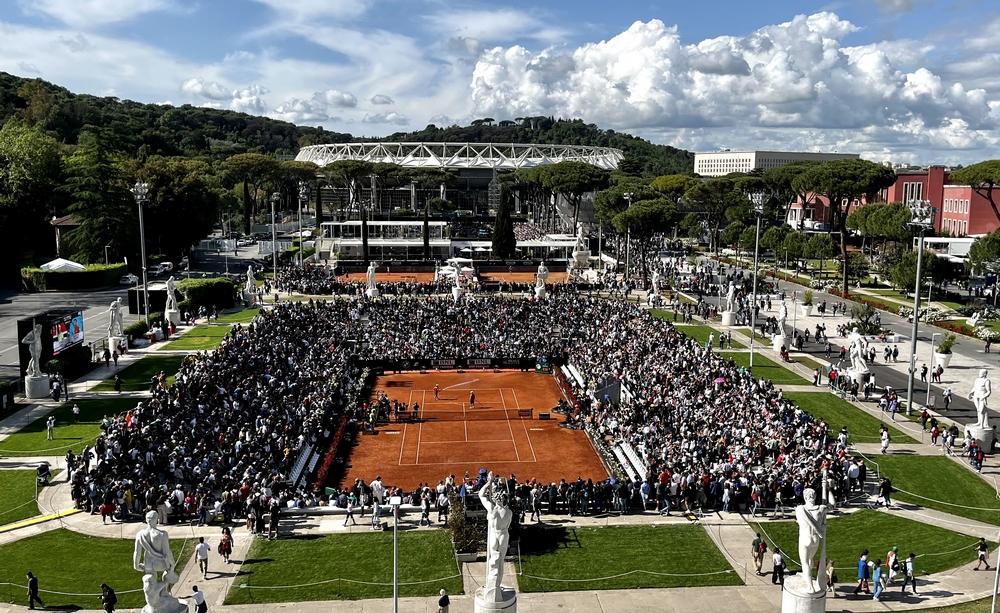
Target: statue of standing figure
(656, 281)
(152, 557)
(33, 340)
(250, 289)
(857, 345)
(115, 325)
(498, 517)
(782, 316)
(371, 276)
(731, 297)
(171, 295)
(542, 275)
(980, 393)
(811, 518)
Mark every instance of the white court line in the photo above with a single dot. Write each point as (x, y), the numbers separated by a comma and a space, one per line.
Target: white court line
(402, 441)
(465, 420)
(510, 428)
(459, 384)
(420, 423)
(496, 440)
(480, 462)
(530, 446)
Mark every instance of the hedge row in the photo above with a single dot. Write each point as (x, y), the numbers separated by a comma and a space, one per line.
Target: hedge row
(96, 275)
(217, 292)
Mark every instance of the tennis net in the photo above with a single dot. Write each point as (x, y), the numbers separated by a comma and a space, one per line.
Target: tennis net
(473, 414)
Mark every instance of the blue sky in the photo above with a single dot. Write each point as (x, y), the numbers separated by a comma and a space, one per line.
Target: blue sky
(901, 80)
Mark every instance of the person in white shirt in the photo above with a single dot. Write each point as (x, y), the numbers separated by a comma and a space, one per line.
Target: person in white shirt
(200, 606)
(885, 439)
(201, 551)
(378, 490)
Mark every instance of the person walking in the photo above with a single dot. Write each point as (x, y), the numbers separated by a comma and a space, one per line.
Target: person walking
(33, 591)
(201, 551)
(76, 413)
(109, 600)
(831, 577)
(352, 500)
(50, 426)
(885, 491)
(118, 383)
(757, 550)
(884, 437)
(863, 575)
(226, 544)
(909, 575)
(200, 606)
(778, 570)
(437, 392)
(443, 601)
(877, 580)
(472, 399)
(981, 547)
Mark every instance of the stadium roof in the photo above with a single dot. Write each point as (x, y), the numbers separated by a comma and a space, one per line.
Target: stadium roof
(461, 155)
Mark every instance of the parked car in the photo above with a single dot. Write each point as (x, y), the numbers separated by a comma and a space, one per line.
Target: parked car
(128, 279)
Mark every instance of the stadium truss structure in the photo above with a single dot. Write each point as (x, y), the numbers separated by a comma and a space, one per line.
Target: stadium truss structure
(461, 155)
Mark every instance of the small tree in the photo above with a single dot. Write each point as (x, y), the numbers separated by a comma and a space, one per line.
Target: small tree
(504, 242)
(820, 247)
(857, 266)
(647, 218)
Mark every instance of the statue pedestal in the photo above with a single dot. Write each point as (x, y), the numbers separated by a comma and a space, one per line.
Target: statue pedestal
(36, 386)
(540, 291)
(507, 602)
(372, 292)
(982, 436)
(115, 342)
(456, 293)
(777, 341)
(728, 318)
(178, 606)
(800, 598)
(581, 259)
(172, 316)
(859, 375)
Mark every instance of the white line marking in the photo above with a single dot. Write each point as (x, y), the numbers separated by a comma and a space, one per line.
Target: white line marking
(530, 446)
(510, 428)
(465, 420)
(451, 387)
(402, 441)
(420, 425)
(392, 432)
(498, 440)
(537, 429)
(479, 462)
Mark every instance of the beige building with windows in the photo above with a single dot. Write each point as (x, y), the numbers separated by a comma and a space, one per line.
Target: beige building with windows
(719, 163)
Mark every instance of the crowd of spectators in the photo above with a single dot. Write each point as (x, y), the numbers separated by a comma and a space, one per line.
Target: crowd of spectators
(527, 231)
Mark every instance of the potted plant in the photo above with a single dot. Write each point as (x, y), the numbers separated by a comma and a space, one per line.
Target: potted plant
(807, 303)
(467, 538)
(942, 353)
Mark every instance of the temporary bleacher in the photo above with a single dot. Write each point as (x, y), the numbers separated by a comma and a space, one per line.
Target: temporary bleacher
(637, 463)
(300, 464)
(623, 461)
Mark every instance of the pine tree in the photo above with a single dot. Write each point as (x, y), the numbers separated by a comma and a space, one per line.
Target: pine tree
(504, 243)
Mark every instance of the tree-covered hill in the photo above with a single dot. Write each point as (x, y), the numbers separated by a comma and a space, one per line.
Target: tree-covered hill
(143, 130)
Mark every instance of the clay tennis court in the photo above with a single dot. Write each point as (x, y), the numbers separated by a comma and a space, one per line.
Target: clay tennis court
(519, 277)
(451, 436)
(388, 277)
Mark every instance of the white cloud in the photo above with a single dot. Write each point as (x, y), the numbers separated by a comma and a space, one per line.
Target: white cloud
(796, 75)
(493, 25)
(896, 6)
(382, 99)
(316, 108)
(92, 13)
(339, 99)
(389, 118)
(311, 10)
(250, 99)
(205, 89)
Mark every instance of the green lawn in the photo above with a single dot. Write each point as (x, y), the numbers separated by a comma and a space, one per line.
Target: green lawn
(943, 481)
(31, 440)
(423, 556)
(552, 553)
(135, 378)
(698, 333)
(68, 562)
(765, 368)
(237, 317)
(848, 536)
(862, 427)
(807, 362)
(18, 499)
(199, 338)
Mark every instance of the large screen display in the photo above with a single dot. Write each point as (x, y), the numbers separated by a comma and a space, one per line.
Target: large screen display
(67, 331)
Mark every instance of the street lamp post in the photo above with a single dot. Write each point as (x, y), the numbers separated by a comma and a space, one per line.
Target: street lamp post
(141, 192)
(757, 198)
(106, 262)
(922, 219)
(275, 197)
(628, 236)
(395, 502)
(934, 337)
(303, 198)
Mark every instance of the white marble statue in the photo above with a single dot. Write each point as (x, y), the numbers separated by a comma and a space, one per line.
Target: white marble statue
(981, 391)
(33, 340)
(371, 276)
(458, 277)
(656, 281)
(251, 286)
(581, 241)
(974, 320)
(542, 275)
(782, 316)
(731, 297)
(171, 295)
(115, 325)
(811, 518)
(498, 517)
(153, 558)
(857, 345)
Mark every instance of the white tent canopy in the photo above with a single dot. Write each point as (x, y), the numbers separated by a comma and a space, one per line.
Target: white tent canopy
(63, 265)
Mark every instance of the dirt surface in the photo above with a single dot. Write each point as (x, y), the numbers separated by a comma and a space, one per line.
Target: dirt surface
(453, 436)
(519, 277)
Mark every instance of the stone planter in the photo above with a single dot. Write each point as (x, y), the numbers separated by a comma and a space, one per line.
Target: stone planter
(944, 359)
(807, 309)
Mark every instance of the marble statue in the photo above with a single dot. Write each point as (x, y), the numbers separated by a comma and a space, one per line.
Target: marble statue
(731, 297)
(33, 340)
(251, 286)
(811, 518)
(656, 281)
(115, 325)
(458, 277)
(371, 276)
(542, 275)
(782, 316)
(979, 394)
(856, 344)
(498, 517)
(153, 558)
(581, 241)
(171, 295)
(974, 320)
